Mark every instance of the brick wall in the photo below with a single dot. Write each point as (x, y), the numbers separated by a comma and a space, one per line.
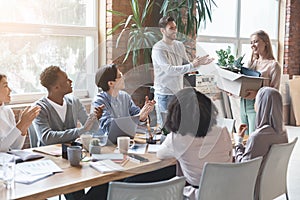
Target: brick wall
(292, 38)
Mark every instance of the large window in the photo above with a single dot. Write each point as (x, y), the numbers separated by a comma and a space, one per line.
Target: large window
(36, 34)
(233, 21)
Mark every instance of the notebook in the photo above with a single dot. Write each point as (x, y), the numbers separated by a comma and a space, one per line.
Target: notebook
(123, 126)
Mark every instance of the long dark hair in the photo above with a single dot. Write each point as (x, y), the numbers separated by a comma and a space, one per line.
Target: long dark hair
(191, 112)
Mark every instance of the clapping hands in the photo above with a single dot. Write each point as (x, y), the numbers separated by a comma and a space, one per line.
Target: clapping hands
(147, 108)
(26, 118)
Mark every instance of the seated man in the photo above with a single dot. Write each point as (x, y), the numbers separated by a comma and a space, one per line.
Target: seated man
(117, 103)
(57, 121)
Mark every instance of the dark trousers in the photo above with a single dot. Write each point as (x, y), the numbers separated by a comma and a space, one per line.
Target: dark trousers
(75, 195)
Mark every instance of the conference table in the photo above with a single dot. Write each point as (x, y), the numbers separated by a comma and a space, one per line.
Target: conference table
(76, 178)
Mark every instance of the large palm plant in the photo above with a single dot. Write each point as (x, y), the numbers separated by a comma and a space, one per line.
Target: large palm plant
(141, 38)
(188, 13)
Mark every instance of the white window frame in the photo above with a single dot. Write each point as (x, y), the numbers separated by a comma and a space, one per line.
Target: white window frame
(61, 30)
(237, 40)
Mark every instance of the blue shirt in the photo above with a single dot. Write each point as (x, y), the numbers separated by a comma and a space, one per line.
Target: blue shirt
(115, 107)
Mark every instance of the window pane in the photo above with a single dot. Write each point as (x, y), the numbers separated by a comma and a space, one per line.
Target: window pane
(204, 48)
(259, 15)
(223, 20)
(68, 12)
(23, 57)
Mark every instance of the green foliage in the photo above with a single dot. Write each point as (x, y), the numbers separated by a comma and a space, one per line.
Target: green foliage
(227, 60)
(95, 142)
(187, 22)
(141, 38)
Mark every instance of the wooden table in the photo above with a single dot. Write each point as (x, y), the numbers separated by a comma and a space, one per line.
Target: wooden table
(76, 178)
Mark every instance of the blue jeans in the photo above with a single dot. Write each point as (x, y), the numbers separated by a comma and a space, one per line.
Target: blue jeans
(161, 105)
(248, 114)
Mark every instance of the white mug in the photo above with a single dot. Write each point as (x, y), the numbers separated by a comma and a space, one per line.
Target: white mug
(85, 140)
(124, 143)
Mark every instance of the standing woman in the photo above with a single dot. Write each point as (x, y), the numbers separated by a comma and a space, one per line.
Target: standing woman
(12, 134)
(262, 60)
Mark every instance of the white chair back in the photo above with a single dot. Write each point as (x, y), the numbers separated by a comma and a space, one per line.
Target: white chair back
(163, 190)
(232, 181)
(274, 173)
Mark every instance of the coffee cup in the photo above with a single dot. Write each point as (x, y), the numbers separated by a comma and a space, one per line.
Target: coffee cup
(85, 140)
(124, 143)
(75, 155)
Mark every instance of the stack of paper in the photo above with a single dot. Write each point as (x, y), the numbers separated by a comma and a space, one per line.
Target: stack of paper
(107, 156)
(29, 172)
(21, 155)
(105, 166)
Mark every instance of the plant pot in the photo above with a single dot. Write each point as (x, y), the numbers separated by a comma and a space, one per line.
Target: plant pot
(94, 149)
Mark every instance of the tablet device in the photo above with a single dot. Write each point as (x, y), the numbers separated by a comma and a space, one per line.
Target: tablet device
(123, 126)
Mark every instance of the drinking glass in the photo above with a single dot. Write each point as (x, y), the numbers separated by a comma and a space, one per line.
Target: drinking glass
(9, 172)
(102, 139)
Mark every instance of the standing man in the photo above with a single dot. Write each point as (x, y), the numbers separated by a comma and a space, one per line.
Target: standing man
(170, 63)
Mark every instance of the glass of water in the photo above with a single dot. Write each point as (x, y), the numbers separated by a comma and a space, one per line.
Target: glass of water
(102, 139)
(9, 172)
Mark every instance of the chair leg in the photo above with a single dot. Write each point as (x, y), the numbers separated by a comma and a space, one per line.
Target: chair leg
(59, 197)
(286, 196)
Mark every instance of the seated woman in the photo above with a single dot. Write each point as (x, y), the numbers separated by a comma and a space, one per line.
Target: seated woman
(12, 134)
(194, 138)
(268, 127)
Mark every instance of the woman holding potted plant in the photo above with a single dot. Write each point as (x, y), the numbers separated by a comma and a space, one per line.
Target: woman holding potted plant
(263, 61)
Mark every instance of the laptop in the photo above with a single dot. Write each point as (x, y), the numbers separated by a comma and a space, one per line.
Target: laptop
(228, 123)
(123, 126)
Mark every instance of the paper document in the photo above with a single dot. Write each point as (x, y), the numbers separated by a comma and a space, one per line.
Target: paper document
(105, 166)
(22, 177)
(38, 167)
(107, 156)
(153, 148)
(138, 149)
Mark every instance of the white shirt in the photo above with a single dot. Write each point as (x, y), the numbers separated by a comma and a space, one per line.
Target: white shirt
(61, 110)
(170, 62)
(10, 135)
(192, 152)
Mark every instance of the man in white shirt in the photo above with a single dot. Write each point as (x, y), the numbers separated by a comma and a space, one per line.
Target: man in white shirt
(170, 63)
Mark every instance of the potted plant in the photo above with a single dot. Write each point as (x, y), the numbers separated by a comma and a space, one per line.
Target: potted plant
(95, 147)
(140, 38)
(227, 61)
(184, 13)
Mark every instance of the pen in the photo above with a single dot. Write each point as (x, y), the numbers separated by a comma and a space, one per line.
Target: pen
(125, 162)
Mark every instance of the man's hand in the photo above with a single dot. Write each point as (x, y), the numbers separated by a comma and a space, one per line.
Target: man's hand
(204, 60)
(98, 111)
(147, 108)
